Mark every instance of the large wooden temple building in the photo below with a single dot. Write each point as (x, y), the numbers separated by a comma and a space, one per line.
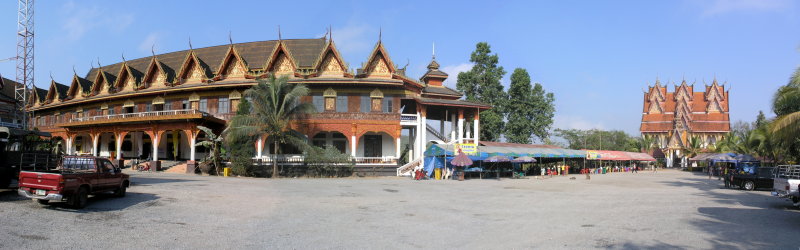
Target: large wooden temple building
(150, 108)
(672, 119)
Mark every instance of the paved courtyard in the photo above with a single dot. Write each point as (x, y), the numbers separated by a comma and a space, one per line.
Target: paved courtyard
(668, 209)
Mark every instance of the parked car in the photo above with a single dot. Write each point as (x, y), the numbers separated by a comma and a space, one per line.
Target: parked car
(74, 179)
(787, 183)
(762, 178)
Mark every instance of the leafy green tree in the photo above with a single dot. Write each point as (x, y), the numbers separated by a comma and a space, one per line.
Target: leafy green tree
(275, 102)
(519, 127)
(241, 163)
(530, 109)
(598, 139)
(482, 84)
(543, 103)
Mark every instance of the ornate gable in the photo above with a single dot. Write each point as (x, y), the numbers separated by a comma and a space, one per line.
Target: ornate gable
(156, 75)
(675, 140)
(683, 92)
(232, 66)
(127, 80)
(656, 99)
(76, 90)
(714, 98)
(330, 63)
(655, 107)
(280, 62)
(52, 94)
(102, 83)
(655, 93)
(379, 64)
(192, 70)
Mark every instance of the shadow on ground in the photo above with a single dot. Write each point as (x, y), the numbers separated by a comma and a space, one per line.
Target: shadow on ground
(144, 180)
(764, 222)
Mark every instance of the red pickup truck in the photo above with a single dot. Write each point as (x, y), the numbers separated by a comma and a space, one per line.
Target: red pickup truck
(75, 178)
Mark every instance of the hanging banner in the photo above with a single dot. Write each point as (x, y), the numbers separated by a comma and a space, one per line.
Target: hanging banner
(467, 148)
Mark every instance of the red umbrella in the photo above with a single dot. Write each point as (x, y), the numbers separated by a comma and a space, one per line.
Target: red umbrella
(461, 160)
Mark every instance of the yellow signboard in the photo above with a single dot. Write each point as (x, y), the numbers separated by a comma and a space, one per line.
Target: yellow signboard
(467, 148)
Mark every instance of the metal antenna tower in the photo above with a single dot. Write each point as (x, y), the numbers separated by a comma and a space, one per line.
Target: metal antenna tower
(24, 59)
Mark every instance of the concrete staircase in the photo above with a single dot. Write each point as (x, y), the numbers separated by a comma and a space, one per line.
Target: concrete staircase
(405, 170)
(437, 134)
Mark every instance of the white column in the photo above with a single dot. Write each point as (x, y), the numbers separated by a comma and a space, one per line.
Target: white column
(460, 128)
(155, 146)
(423, 136)
(95, 140)
(192, 140)
(453, 125)
(476, 132)
(259, 147)
(397, 148)
(119, 146)
(69, 146)
(353, 145)
(417, 137)
(441, 128)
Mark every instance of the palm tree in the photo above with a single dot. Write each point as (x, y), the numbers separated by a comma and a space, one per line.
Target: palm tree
(646, 144)
(693, 147)
(275, 102)
(763, 142)
(786, 104)
(729, 143)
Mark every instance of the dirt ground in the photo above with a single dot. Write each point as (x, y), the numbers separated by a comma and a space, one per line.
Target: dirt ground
(667, 209)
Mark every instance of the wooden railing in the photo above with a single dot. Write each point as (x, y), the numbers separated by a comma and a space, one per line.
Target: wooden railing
(408, 117)
(10, 125)
(353, 116)
(358, 160)
(139, 114)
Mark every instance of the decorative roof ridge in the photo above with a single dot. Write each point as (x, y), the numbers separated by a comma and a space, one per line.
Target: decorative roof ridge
(280, 46)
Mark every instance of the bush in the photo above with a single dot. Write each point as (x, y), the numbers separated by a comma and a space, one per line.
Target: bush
(242, 156)
(327, 162)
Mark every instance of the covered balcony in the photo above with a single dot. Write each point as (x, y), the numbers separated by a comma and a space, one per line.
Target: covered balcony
(136, 117)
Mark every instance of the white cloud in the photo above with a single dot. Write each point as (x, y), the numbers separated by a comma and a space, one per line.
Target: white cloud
(80, 20)
(452, 71)
(150, 42)
(575, 122)
(718, 7)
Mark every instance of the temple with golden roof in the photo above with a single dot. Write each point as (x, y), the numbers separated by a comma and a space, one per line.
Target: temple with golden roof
(673, 118)
(149, 108)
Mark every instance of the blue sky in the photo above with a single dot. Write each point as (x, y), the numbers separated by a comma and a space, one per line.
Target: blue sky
(596, 56)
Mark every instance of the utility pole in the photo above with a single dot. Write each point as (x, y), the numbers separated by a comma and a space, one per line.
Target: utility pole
(24, 59)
